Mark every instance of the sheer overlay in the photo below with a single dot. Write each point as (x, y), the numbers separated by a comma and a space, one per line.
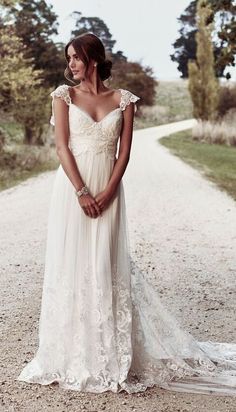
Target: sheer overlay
(102, 325)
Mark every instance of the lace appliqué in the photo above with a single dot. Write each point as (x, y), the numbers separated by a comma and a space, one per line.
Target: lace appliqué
(126, 98)
(96, 334)
(63, 93)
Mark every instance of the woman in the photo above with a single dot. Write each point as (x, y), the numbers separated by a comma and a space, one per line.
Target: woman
(102, 327)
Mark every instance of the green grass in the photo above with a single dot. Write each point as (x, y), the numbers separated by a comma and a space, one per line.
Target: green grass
(13, 130)
(19, 161)
(216, 162)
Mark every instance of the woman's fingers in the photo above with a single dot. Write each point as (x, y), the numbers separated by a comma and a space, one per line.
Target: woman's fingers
(97, 208)
(91, 207)
(93, 212)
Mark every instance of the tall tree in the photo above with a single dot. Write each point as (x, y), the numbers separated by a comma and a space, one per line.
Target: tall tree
(20, 86)
(94, 25)
(97, 26)
(203, 85)
(35, 23)
(223, 13)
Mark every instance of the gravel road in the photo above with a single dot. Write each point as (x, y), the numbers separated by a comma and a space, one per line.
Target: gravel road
(182, 231)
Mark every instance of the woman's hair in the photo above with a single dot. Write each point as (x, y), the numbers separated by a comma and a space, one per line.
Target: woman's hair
(88, 46)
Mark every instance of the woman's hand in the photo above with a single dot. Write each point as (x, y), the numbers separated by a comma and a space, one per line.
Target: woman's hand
(89, 205)
(103, 199)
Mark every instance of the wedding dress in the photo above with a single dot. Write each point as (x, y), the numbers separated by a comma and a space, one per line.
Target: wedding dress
(102, 326)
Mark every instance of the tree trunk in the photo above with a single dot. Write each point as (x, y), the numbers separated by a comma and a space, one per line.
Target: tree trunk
(28, 139)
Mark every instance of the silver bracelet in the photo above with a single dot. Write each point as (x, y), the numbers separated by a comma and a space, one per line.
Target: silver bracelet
(83, 191)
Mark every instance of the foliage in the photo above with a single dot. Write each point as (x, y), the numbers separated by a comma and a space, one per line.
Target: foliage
(7, 3)
(35, 121)
(94, 25)
(227, 99)
(16, 71)
(20, 87)
(203, 85)
(2, 139)
(136, 78)
(224, 39)
(35, 23)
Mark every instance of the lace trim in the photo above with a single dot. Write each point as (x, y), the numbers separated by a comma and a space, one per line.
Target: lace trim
(79, 146)
(126, 98)
(62, 92)
(185, 362)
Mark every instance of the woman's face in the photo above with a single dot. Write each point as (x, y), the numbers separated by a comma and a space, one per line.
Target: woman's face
(76, 65)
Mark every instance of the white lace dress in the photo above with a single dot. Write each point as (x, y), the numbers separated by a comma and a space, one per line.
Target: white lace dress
(102, 327)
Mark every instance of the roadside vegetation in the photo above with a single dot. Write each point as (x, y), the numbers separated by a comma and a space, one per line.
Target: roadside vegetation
(216, 162)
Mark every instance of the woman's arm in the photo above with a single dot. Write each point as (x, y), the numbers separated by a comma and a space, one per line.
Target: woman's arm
(105, 196)
(67, 160)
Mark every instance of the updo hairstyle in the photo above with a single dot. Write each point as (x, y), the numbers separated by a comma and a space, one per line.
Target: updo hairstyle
(88, 46)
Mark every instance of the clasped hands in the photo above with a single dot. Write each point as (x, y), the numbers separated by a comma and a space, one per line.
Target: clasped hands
(94, 206)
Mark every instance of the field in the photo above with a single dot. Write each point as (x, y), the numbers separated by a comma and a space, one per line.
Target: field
(173, 103)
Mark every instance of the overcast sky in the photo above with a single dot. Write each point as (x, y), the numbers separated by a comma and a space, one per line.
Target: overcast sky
(143, 30)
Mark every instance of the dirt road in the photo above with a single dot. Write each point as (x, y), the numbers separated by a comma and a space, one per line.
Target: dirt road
(180, 224)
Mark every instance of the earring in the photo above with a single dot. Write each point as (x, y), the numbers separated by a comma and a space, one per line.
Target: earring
(95, 64)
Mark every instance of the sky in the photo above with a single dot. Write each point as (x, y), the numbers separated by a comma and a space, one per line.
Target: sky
(144, 30)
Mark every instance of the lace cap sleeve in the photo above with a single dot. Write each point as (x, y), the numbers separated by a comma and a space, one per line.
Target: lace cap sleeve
(126, 98)
(63, 93)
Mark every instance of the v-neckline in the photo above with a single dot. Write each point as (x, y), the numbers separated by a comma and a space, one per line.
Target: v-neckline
(89, 116)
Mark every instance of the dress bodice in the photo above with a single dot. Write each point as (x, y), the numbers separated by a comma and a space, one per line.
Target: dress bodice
(86, 134)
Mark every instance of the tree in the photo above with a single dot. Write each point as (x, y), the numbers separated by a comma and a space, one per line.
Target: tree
(21, 91)
(203, 85)
(35, 23)
(36, 121)
(224, 38)
(7, 3)
(94, 25)
(97, 26)
(133, 76)
(16, 71)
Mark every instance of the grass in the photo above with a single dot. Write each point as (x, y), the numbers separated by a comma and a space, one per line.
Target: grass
(175, 97)
(18, 175)
(12, 129)
(173, 103)
(216, 162)
(19, 161)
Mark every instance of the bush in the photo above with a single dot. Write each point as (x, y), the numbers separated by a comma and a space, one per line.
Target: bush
(227, 99)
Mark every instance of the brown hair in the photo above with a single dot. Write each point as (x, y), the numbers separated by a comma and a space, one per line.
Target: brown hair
(88, 46)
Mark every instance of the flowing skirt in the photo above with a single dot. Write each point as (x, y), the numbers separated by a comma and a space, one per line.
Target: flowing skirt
(102, 325)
